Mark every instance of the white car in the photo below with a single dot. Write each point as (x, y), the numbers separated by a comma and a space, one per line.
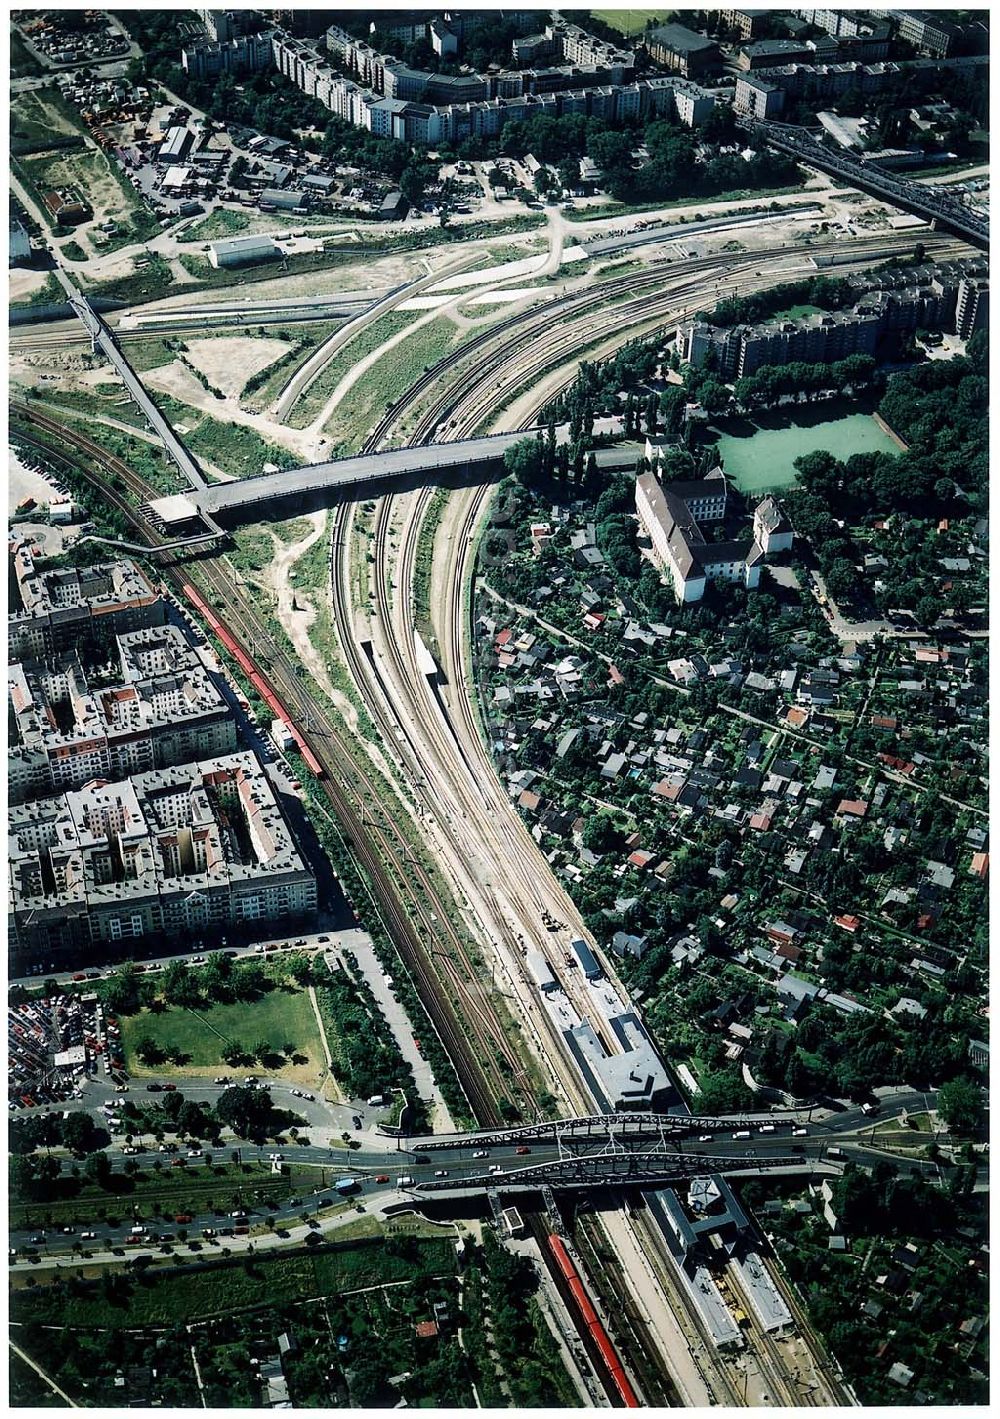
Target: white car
(276, 1157)
(195, 1152)
(481, 1153)
(704, 1138)
(441, 1173)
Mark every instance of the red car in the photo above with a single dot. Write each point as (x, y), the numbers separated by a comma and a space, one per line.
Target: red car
(183, 1217)
(382, 1178)
(522, 1149)
(170, 1088)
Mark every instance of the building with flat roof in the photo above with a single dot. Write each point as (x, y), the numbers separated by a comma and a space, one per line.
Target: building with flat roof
(243, 251)
(635, 1079)
(681, 49)
(180, 851)
(78, 607)
(63, 731)
(19, 247)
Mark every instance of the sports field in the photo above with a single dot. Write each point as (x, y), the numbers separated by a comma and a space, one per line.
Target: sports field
(629, 22)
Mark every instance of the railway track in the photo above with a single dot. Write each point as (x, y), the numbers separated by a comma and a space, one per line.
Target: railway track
(371, 842)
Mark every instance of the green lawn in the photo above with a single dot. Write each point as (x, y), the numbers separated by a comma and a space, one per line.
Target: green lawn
(163, 1298)
(231, 447)
(629, 22)
(282, 1015)
(308, 405)
(388, 380)
(149, 1194)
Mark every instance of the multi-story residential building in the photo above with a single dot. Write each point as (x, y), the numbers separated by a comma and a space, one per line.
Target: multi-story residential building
(385, 97)
(65, 731)
(972, 306)
(671, 518)
(307, 23)
(78, 606)
(746, 23)
(171, 854)
(682, 50)
(243, 54)
(949, 299)
(925, 30)
(762, 93)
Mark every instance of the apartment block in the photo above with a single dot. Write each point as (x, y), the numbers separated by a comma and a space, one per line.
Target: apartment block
(162, 708)
(954, 299)
(242, 54)
(178, 852)
(77, 607)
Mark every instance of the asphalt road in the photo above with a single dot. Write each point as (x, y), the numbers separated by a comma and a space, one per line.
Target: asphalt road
(850, 1131)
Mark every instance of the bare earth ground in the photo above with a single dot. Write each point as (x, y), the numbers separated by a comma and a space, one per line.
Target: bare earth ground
(178, 381)
(228, 361)
(22, 283)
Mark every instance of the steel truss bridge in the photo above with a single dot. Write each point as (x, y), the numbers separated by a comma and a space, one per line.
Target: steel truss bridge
(620, 1168)
(627, 1127)
(939, 207)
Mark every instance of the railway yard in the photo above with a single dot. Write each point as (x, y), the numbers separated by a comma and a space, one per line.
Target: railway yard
(397, 778)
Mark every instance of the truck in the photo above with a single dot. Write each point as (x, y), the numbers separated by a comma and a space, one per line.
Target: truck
(345, 1186)
(835, 1153)
(742, 1133)
(404, 1181)
(376, 1101)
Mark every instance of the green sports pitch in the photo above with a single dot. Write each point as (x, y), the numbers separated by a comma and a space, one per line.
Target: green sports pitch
(629, 22)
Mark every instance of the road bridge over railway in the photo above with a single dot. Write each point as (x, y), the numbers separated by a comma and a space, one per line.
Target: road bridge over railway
(630, 1167)
(935, 204)
(623, 1127)
(478, 460)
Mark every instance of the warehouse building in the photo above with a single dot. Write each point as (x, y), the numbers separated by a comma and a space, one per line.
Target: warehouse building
(77, 607)
(63, 733)
(243, 251)
(290, 199)
(181, 851)
(175, 145)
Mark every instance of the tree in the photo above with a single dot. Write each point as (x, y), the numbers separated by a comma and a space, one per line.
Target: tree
(97, 1168)
(960, 1104)
(262, 1049)
(245, 1111)
(234, 1052)
(569, 174)
(78, 1132)
(525, 460)
(149, 1051)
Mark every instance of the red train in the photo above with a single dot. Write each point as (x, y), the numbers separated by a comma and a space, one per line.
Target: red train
(256, 679)
(592, 1323)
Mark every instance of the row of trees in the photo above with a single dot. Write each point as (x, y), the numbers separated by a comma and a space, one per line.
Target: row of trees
(829, 293)
(770, 382)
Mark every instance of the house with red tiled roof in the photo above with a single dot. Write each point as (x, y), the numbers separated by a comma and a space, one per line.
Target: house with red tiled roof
(980, 865)
(852, 808)
(848, 923)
